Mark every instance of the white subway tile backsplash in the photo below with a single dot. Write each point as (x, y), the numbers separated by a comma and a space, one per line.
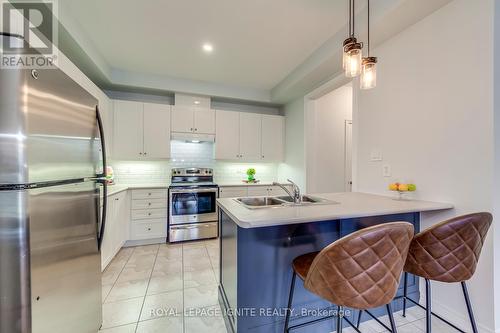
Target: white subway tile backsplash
(185, 154)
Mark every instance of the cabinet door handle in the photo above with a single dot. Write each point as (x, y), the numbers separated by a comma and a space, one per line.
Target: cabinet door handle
(149, 203)
(149, 229)
(196, 129)
(149, 214)
(191, 129)
(149, 193)
(140, 153)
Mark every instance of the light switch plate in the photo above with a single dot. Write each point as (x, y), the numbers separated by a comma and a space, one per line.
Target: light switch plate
(375, 156)
(386, 170)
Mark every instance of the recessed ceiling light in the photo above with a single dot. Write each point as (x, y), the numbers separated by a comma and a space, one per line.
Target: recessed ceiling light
(208, 48)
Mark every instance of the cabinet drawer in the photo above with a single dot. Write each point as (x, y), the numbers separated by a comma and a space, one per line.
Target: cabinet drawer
(149, 229)
(149, 203)
(141, 214)
(149, 194)
(233, 192)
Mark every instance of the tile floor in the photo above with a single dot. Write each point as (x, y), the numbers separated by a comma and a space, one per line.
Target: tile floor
(173, 288)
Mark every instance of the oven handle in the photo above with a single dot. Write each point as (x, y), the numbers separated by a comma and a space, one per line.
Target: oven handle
(206, 225)
(197, 190)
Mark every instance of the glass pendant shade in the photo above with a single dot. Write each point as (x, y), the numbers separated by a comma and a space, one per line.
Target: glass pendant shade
(369, 73)
(353, 60)
(347, 42)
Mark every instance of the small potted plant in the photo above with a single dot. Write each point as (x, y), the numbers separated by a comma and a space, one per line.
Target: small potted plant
(251, 175)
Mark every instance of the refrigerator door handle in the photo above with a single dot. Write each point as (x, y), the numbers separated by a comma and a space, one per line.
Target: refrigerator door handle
(101, 178)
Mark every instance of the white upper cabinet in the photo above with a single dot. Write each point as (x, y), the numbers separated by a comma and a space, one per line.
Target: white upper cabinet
(204, 121)
(156, 130)
(182, 119)
(227, 135)
(192, 119)
(273, 137)
(141, 130)
(250, 136)
(128, 130)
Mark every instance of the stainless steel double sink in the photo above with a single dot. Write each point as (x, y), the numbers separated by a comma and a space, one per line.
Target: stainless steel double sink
(282, 201)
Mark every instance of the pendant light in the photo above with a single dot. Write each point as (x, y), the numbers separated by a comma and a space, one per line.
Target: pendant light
(352, 55)
(369, 64)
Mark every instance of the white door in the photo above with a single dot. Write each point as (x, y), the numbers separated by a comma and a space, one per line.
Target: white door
(348, 156)
(156, 130)
(250, 136)
(128, 130)
(227, 135)
(182, 119)
(204, 121)
(273, 137)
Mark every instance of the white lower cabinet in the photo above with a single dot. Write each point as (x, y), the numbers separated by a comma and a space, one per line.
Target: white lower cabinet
(148, 214)
(233, 191)
(251, 191)
(257, 191)
(116, 231)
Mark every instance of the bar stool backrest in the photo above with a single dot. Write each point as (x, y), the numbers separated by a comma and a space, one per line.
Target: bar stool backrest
(362, 270)
(449, 251)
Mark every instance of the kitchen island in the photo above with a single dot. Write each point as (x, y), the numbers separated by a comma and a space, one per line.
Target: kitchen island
(257, 247)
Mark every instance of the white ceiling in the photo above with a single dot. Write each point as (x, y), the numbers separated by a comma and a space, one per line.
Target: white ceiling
(269, 51)
(257, 43)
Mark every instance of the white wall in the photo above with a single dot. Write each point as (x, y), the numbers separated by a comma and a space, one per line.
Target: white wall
(294, 166)
(431, 116)
(326, 156)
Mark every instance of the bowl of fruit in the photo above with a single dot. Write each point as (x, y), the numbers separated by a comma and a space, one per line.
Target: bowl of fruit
(402, 189)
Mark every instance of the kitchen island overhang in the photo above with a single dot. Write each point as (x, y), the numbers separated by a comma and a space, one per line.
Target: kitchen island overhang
(257, 247)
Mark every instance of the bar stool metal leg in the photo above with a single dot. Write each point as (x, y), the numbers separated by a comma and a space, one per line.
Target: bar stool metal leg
(359, 318)
(405, 292)
(428, 310)
(469, 307)
(391, 318)
(340, 314)
(289, 307)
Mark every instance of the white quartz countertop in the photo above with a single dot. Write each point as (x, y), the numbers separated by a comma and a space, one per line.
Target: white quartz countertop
(117, 188)
(350, 205)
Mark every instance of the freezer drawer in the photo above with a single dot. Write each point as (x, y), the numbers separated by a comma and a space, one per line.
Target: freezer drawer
(178, 233)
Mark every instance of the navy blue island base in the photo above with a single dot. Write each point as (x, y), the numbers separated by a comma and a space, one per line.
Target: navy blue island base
(255, 273)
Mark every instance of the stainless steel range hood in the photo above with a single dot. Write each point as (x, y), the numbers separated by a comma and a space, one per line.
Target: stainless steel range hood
(192, 137)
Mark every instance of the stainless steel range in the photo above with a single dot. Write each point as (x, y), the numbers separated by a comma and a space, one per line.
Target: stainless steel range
(193, 209)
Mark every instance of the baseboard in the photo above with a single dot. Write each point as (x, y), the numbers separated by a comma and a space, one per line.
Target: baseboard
(457, 318)
(161, 240)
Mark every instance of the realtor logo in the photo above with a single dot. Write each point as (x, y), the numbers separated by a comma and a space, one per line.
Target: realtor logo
(35, 23)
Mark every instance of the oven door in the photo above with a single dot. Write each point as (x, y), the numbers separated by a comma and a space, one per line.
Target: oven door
(193, 205)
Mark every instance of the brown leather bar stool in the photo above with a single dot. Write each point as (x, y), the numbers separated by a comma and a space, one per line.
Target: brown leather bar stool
(447, 252)
(359, 271)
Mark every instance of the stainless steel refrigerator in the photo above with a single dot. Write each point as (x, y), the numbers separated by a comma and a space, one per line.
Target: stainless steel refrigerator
(52, 159)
